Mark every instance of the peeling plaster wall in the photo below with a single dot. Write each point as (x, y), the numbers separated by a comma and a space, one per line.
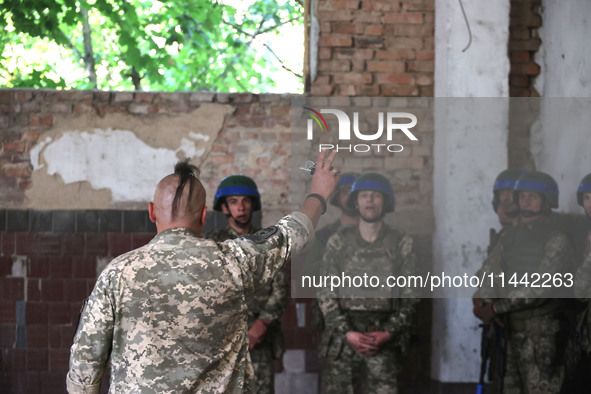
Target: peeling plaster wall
(467, 156)
(116, 160)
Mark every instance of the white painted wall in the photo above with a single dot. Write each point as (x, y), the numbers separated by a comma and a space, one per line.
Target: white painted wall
(468, 155)
(561, 143)
(565, 54)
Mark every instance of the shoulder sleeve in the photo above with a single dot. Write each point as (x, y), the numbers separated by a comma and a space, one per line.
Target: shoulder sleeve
(401, 319)
(260, 255)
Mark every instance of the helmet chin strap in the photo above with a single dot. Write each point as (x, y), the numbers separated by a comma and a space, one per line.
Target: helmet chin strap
(372, 220)
(240, 224)
(512, 214)
(531, 214)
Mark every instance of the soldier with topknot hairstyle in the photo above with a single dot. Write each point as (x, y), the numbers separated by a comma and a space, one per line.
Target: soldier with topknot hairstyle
(171, 316)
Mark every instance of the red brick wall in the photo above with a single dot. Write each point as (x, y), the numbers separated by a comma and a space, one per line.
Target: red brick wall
(524, 21)
(375, 48)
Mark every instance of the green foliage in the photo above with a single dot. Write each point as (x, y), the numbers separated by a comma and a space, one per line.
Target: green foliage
(172, 46)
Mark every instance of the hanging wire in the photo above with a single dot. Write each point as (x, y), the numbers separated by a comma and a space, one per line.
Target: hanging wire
(467, 25)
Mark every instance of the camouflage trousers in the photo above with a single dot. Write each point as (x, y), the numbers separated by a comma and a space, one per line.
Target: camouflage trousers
(351, 372)
(264, 374)
(533, 361)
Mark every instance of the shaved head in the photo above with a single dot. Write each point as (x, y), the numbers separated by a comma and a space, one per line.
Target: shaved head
(179, 199)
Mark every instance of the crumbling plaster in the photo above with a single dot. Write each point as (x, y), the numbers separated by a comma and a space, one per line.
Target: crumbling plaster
(115, 161)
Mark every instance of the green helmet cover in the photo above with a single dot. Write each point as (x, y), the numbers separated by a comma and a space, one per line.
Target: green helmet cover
(537, 181)
(376, 182)
(346, 180)
(237, 185)
(584, 187)
(505, 180)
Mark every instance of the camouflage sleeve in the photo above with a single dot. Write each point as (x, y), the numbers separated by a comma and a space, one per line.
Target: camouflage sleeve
(313, 259)
(401, 319)
(92, 343)
(583, 279)
(486, 291)
(557, 254)
(262, 254)
(277, 301)
(327, 299)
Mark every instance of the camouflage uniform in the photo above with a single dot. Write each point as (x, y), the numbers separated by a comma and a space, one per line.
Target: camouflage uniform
(312, 266)
(269, 303)
(365, 311)
(535, 320)
(171, 316)
(583, 275)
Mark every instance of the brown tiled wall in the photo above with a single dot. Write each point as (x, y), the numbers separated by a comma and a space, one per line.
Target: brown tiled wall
(49, 262)
(375, 48)
(44, 277)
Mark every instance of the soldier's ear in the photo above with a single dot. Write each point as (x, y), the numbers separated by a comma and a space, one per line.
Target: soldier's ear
(225, 209)
(151, 212)
(203, 216)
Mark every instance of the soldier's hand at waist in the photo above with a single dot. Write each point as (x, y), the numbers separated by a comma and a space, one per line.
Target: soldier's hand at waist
(257, 332)
(486, 313)
(380, 337)
(362, 343)
(477, 307)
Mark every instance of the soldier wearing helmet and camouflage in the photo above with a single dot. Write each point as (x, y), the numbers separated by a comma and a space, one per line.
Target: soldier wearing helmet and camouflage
(534, 320)
(237, 196)
(367, 329)
(583, 277)
(507, 212)
(582, 288)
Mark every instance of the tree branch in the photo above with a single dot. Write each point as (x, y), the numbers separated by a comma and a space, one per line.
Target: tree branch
(254, 37)
(89, 62)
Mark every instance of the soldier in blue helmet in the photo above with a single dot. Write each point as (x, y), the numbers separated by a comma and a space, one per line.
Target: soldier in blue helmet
(507, 211)
(535, 318)
(366, 332)
(237, 196)
(582, 287)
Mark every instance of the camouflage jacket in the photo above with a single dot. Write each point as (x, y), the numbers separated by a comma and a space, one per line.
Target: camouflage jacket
(348, 253)
(316, 250)
(171, 316)
(269, 302)
(556, 254)
(583, 276)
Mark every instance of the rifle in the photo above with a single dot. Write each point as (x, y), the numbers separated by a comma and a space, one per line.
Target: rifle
(494, 332)
(484, 351)
(501, 346)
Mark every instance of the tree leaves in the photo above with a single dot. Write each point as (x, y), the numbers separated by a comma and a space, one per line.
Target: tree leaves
(176, 45)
